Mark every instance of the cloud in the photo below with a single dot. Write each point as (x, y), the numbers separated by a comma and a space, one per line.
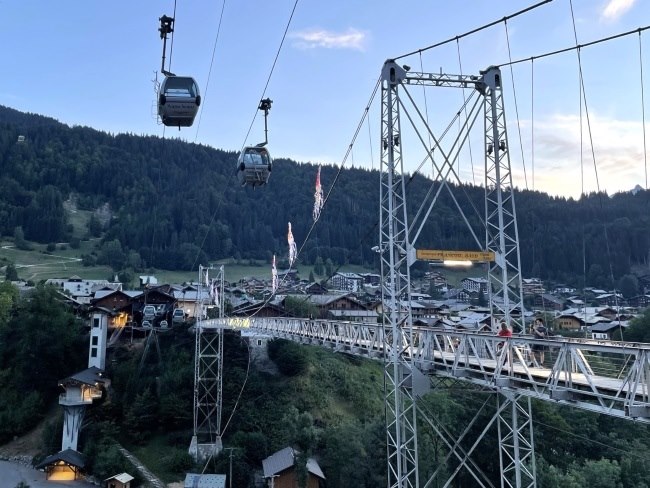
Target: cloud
(616, 8)
(561, 170)
(321, 38)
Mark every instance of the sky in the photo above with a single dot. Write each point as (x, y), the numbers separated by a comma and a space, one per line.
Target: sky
(94, 63)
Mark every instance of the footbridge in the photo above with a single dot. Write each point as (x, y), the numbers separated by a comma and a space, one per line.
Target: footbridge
(606, 377)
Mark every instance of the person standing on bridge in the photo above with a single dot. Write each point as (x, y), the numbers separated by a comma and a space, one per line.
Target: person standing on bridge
(539, 332)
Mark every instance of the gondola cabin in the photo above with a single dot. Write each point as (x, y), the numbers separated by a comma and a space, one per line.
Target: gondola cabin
(178, 101)
(254, 166)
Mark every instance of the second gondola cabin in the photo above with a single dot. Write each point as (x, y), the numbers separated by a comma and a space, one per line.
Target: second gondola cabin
(178, 101)
(254, 166)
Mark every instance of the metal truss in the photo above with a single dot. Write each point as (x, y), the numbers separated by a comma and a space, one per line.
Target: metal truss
(401, 418)
(208, 370)
(517, 453)
(502, 237)
(605, 377)
(396, 250)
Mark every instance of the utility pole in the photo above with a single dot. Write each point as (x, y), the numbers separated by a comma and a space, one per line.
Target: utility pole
(231, 449)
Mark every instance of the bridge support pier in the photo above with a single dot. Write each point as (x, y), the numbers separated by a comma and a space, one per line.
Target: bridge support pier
(516, 446)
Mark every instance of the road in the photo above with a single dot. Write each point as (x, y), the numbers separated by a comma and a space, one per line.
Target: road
(13, 473)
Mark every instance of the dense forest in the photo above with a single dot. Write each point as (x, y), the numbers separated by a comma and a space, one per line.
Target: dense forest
(328, 405)
(172, 204)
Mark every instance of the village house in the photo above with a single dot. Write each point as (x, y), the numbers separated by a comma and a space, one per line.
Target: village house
(532, 286)
(604, 330)
(545, 301)
(80, 289)
(280, 470)
(346, 282)
(475, 284)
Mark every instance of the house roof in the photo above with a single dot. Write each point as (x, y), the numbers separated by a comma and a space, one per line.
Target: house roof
(69, 456)
(88, 376)
(284, 459)
(607, 326)
(122, 478)
(193, 480)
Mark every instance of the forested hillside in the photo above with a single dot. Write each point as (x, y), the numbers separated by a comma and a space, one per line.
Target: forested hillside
(174, 204)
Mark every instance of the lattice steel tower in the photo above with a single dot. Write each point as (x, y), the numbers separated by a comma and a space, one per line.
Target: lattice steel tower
(208, 368)
(397, 254)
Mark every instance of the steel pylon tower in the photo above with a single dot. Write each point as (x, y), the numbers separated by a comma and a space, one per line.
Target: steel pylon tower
(397, 254)
(394, 248)
(208, 368)
(501, 235)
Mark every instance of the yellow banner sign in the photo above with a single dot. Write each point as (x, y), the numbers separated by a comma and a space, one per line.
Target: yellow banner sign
(436, 255)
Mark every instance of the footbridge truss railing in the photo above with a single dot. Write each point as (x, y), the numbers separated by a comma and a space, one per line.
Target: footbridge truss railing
(607, 377)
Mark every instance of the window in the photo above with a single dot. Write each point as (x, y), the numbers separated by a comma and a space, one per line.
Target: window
(95, 340)
(95, 321)
(259, 342)
(93, 352)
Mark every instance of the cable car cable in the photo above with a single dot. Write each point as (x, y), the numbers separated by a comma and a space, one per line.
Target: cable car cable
(207, 83)
(268, 80)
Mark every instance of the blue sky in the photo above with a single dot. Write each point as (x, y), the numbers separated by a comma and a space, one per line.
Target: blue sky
(92, 63)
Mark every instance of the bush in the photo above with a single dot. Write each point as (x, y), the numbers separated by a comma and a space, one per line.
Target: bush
(51, 247)
(290, 358)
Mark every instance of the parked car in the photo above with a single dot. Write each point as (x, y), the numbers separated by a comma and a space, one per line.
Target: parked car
(146, 324)
(164, 324)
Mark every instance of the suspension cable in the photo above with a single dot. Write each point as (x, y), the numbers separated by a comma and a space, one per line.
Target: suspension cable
(469, 140)
(514, 94)
(426, 111)
(645, 152)
(532, 118)
(576, 47)
(478, 29)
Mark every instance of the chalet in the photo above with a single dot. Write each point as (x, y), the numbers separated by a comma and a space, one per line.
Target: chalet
(122, 480)
(260, 308)
(315, 289)
(280, 471)
(362, 316)
(610, 299)
(188, 299)
(545, 301)
(117, 304)
(563, 290)
(66, 465)
(639, 301)
(604, 330)
(532, 286)
(328, 302)
(475, 284)
(346, 281)
(147, 280)
(80, 289)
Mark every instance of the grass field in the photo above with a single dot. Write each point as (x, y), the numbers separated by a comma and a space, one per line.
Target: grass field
(38, 264)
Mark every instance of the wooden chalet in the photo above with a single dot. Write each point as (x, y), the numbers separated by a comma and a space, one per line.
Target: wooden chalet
(280, 470)
(66, 465)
